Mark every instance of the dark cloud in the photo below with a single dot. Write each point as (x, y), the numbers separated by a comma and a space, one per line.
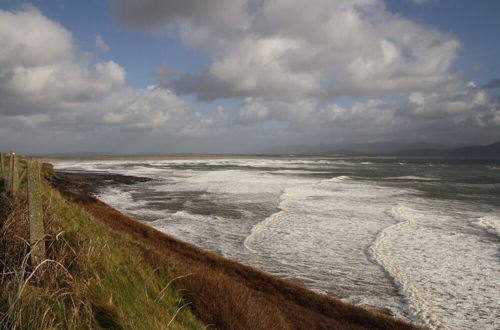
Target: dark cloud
(495, 83)
(149, 14)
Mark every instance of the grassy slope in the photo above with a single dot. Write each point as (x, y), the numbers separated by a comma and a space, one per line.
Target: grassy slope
(228, 295)
(94, 277)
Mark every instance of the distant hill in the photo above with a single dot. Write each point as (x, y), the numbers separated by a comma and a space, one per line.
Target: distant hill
(491, 150)
(353, 149)
(487, 151)
(394, 149)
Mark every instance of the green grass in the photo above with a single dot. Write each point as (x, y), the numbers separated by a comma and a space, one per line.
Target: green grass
(92, 277)
(105, 270)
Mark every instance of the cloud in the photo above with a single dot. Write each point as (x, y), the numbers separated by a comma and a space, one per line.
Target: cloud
(448, 117)
(284, 50)
(286, 63)
(222, 113)
(495, 83)
(30, 39)
(100, 44)
(44, 86)
(471, 101)
(148, 14)
(421, 2)
(466, 114)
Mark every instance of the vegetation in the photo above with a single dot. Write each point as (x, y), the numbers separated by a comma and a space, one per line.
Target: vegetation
(105, 270)
(93, 277)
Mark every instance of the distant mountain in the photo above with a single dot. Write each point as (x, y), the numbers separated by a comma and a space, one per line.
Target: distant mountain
(491, 150)
(487, 151)
(394, 149)
(418, 153)
(373, 148)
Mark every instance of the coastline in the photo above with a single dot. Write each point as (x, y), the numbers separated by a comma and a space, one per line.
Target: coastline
(216, 285)
(198, 156)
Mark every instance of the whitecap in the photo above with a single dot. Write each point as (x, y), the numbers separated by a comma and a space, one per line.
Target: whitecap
(491, 223)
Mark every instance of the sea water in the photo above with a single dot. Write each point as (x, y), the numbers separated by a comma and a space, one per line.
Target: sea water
(418, 239)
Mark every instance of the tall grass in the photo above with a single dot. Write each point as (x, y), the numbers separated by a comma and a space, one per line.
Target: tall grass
(105, 270)
(92, 277)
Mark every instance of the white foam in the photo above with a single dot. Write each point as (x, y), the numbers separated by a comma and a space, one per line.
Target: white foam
(116, 196)
(450, 275)
(325, 223)
(412, 177)
(491, 223)
(319, 231)
(338, 179)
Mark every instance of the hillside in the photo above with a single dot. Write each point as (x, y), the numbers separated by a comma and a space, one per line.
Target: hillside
(105, 270)
(92, 277)
(487, 151)
(491, 150)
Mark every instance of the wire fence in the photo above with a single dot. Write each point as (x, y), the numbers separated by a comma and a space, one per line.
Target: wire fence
(19, 171)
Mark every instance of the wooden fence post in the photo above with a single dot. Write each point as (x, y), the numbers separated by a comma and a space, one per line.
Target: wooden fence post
(37, 233)
(14, 174)
(6, 178)
(2, 166)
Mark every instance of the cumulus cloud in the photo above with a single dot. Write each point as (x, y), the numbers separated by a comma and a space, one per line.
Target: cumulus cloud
(29, 39)
(289, 62)
(421, 2)
(451, 105)
(495, 83)
(148, 14)
(286, 62)
(100, 44)
(465, 117)
(222, 113)
(44, 85)
(286, 50)
(471, 109)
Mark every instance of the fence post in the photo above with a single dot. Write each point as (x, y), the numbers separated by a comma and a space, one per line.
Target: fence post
(35, 213)
(14, 174)
(6, 178)
(2, 166)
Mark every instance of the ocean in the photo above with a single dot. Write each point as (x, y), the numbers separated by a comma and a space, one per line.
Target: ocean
(418, 239)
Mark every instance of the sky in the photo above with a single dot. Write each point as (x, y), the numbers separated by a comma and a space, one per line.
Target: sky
(246, 76)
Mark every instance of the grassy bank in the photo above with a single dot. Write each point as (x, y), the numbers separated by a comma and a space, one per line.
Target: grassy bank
(105, 270)
(93, 277)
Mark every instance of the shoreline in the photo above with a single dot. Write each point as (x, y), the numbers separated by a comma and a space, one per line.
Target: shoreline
(297, 303)
(91, 182)
(199, 156)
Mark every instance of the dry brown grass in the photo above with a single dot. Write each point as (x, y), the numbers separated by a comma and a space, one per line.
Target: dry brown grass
(30, 294)
(92, 277)
(229, 295)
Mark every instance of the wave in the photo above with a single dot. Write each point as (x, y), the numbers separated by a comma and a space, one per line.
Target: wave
(116, 197)
(338, 179)
(491, 223)
(285, 195)
(439, 262)
(379, 251)
(411, 177)
(266, 223)
(259, 228)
